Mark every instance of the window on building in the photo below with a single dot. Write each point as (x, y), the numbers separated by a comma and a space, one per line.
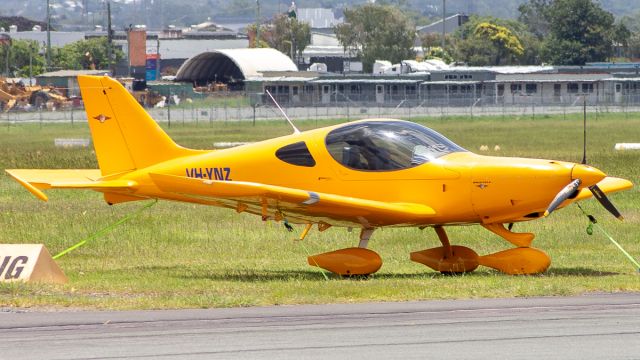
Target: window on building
(394, 89)
(379, 89)
(294, 90)
(309, 89)
(341, 88)
(587, 87)
(516, 88)
(557, 89)
(500, 89)
(572, 88)
(410, 89)
(618, 88)
(453, 89)
(325, 89)
(531, 88)
(296, 154)
(356, 89)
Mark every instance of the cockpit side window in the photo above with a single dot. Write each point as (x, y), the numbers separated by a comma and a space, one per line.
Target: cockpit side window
(296, 154)
(386, 145)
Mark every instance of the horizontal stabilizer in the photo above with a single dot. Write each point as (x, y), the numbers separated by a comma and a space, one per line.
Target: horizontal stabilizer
(297, 200)
(37, 180)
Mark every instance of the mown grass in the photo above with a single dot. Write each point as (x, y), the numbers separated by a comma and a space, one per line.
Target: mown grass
(183, 256)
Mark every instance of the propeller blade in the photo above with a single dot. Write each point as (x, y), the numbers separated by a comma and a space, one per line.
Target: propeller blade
(563, 195)
(604, 200)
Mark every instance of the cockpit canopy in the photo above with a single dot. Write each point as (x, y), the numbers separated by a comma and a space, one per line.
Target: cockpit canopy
(387, 145)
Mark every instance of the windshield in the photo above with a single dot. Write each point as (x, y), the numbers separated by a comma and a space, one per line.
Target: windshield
(387, 145)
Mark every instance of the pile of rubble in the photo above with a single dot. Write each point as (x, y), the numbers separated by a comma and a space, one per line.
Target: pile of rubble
(15, 95)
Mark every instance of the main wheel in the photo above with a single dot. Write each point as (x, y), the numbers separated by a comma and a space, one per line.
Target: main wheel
(462, 260)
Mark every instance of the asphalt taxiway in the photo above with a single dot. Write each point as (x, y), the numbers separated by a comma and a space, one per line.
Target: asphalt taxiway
(605, 326)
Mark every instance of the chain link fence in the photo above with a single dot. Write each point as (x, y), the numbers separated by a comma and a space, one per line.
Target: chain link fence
(244, 108)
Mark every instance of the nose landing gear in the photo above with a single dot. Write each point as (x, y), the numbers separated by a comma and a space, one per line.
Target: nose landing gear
(523, 260)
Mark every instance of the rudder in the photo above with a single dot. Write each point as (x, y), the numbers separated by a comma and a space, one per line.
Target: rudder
(125, 137)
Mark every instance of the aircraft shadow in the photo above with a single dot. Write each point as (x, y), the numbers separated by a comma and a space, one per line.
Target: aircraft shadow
(579, 271)
(245, 275)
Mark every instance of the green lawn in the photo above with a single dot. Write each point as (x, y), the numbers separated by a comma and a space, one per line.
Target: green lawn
(181, 255)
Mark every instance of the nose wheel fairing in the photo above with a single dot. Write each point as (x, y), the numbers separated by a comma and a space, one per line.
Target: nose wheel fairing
(522, 260)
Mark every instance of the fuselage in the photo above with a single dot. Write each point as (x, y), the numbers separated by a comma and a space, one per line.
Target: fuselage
(462, 187)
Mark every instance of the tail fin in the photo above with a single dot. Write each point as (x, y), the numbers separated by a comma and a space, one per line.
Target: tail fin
(125, 137)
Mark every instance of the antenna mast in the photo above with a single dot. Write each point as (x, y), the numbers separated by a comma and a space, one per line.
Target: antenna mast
(584, 129)
(295, 129)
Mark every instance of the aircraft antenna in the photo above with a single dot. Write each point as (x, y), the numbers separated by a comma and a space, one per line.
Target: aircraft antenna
(295, 129)
(584, 129)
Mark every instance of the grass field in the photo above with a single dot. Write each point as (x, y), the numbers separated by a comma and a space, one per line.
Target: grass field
(184, 256)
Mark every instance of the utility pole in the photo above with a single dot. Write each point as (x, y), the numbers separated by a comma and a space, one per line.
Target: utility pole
(6, 62)
(257, 41)
(444, 12)
(48, 57)
(158, 58)
(109, 39)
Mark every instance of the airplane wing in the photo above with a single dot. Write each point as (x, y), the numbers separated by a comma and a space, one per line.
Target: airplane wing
(37, 180)
(303, 204)
(608, 185)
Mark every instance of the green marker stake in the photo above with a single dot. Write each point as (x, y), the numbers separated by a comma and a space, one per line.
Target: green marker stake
(593, 223)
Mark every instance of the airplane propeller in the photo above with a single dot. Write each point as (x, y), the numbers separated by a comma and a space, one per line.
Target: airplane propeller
(604, 201)
(563, 195)
(571, 189)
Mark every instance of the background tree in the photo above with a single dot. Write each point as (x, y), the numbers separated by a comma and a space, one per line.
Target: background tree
(289, 35)
(632, 24)
(20, 52)
(486, 41)
(534, 14)
(508, 46)
(432, 47)
(429, 40)
(85, 54)
(265, 33)
(436, 52)
(580, 31)
(375, 32)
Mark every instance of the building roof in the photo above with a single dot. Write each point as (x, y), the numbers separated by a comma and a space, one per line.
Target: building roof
(366, 81)
(451, 24)
(318, 18)
(229, 65)
(72, 73)
(325, 51)
(58, 38)
(188, 48)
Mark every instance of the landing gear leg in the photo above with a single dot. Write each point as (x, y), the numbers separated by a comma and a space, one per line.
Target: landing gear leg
(447, 258)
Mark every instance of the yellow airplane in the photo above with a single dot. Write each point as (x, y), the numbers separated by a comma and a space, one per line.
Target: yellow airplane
(366, 174)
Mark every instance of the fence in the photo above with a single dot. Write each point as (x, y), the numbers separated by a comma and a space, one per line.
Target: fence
(239, 109)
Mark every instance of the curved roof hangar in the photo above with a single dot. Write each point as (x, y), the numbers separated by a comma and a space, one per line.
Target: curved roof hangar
(233, 65)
